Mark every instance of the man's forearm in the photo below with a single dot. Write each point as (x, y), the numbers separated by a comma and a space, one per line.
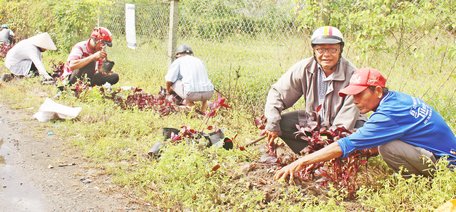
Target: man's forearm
(327, 153)
(77, 64)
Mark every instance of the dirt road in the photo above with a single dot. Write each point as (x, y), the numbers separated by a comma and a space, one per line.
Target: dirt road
(39, 172)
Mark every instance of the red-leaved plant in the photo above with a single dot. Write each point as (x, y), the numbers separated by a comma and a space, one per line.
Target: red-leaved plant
(216, 133)
(57, 69)
(137, 98)
(4, 48)
(340, 172)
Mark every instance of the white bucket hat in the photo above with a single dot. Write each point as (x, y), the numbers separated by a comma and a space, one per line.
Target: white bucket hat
(43, 40)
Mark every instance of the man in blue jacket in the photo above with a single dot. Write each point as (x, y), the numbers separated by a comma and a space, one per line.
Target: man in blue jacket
(408, 132)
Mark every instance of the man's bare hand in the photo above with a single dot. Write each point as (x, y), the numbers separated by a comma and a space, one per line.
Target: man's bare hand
(100, 54)
(289, 171)
(272, 136)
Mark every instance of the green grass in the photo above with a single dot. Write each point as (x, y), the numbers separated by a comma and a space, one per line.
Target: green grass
(242, 69)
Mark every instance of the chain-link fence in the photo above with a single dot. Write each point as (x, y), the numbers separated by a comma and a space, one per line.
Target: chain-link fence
(247, 45)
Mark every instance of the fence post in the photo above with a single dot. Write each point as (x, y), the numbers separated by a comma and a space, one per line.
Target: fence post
(173, 21)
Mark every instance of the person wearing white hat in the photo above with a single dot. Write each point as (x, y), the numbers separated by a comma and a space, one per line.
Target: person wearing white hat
(25, 58)
(317, 79)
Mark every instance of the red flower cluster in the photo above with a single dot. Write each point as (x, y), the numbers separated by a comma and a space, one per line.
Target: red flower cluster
(216, 105)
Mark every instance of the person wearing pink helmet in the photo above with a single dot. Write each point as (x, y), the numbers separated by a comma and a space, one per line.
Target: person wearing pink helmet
(318, 79)
(410, 135)
(87, 58)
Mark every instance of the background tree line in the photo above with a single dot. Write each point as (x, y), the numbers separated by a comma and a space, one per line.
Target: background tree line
(371, 21)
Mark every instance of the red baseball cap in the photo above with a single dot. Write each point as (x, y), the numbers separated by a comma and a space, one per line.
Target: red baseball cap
(361, 79)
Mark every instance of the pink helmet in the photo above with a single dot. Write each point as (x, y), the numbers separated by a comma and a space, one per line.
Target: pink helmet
(103, 34)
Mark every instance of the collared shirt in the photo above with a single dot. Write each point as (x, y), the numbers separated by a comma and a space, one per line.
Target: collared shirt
(301, 81)
(19, 59)
(79, 51)
(405, 118)
(192, 72)
(323, 84)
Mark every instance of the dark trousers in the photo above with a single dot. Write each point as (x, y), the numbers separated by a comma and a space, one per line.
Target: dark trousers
(288, 128)
(94, 78)
(34, 71)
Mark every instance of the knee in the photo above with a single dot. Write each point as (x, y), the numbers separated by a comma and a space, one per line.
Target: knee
(113, 79)
(388, 148)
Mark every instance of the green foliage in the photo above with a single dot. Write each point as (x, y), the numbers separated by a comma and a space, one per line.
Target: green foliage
(68, 22)
(73, 21)
(369, 21)
(215, 20)
(427, 194)
(149, 17)
(243, 62)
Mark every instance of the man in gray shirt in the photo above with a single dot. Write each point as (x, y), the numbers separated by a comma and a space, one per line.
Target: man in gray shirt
(318, 79)
(25, 58)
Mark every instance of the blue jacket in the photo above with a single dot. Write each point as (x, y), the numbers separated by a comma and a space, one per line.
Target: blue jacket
(406, 118)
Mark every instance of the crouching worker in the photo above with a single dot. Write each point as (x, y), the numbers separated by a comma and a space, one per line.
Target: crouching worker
(25, 58)
(188, 78)
(6, 35)
(89, 59)
(408, 132)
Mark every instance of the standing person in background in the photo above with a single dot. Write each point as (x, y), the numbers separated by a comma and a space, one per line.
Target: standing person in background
(409, 133)
(6, 35)
(187, 77)
(25, 58)
(87, 58)
(318, 79)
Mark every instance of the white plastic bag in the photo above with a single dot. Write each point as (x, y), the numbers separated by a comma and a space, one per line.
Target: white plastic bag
(51, 110)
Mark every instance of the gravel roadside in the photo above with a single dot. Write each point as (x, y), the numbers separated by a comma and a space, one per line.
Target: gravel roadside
(39, 172)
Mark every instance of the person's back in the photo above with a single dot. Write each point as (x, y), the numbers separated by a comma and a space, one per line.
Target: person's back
(25, 58)
(194, 74)
(22, 51)
(187, 78)
(6, 35)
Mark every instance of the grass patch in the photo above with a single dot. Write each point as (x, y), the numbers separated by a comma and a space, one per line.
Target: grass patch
(182, 179)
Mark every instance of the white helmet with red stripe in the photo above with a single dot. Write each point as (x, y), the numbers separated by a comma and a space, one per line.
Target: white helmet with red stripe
(327, 35)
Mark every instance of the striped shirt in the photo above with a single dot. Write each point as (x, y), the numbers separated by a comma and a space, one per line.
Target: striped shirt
(323, 84)
(79, 51)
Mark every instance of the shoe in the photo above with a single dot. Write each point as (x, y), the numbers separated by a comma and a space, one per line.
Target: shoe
(7, 77)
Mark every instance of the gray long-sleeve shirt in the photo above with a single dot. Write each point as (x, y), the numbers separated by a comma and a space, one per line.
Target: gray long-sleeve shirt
(20, 58)
(301, 80)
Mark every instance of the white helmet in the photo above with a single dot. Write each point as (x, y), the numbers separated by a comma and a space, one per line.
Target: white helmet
(327, 35)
